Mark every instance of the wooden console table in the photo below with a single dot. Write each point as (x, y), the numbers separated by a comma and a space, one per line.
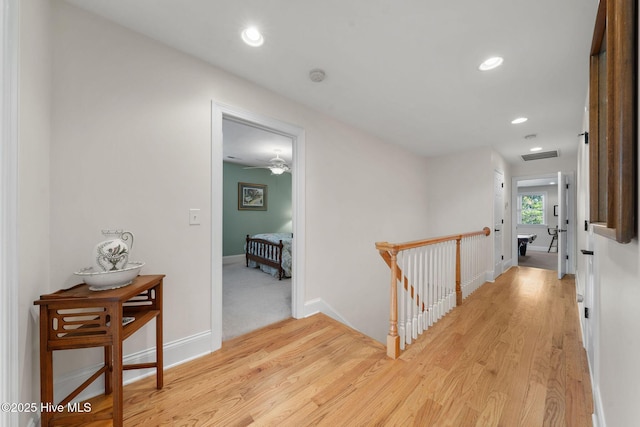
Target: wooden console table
(80, 318)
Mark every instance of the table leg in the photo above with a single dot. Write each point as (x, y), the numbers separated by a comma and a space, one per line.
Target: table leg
(116, 320)
(46, 368)
(159, 349)
(108, 361)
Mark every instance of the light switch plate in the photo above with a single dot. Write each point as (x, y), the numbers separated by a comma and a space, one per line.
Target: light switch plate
(194, 216)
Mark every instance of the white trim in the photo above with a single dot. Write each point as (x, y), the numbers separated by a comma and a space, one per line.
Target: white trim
(538, 249)
(597, 418)
(218, 112)
(233, 259)
(514, 203)
(500, 227)
(572, 230)
(9, 296)
(175, 353)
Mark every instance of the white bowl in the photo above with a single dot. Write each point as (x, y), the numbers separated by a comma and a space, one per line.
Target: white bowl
(101, 280)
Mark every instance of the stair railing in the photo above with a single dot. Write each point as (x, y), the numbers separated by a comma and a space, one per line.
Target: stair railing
(428, 278)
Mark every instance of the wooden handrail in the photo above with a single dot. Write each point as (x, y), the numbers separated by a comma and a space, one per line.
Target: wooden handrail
(389, 253)
(386, 246)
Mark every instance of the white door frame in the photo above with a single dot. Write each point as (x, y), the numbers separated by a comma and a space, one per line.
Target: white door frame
(571, 233)
(498, 227)
(9, 296)
(564, 223)
(297, 134)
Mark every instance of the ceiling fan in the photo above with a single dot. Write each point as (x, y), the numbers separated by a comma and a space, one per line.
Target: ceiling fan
(277, 166)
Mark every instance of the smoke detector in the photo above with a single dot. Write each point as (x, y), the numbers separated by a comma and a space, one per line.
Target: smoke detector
(317, 75)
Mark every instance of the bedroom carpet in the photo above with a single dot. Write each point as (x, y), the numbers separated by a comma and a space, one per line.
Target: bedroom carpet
(252, 299)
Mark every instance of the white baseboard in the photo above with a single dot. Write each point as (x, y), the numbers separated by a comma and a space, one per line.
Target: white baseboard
(232, 259)
(537, 248)
(175, 353)
(319, 305)
(507, 264)
(598, 411)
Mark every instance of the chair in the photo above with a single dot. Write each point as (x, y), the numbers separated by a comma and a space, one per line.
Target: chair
(554, 239)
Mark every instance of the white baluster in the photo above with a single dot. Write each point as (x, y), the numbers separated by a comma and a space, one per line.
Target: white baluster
(416, 295)
(452, 275)
(447, 276)
(464, 265)
(430, 285)
(435, 283)
(401, 303)
(406, 270)
(451, 271)
(420, 287)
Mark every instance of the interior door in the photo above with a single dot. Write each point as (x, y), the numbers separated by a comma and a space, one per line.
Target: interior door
(563, 223)
(498, 221)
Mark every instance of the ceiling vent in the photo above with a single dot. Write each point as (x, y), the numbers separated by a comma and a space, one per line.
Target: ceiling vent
(541, 155)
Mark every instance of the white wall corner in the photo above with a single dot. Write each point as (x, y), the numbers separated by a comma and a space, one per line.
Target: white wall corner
(319, 305)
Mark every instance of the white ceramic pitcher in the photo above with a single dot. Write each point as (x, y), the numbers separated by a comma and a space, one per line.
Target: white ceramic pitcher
(113, 254)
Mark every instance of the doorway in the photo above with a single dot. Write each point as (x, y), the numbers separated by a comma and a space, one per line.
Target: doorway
(296, 135)
(254, 295)
(543, 223)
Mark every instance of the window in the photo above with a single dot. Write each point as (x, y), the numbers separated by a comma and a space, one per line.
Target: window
(612, 121)
(531, 209)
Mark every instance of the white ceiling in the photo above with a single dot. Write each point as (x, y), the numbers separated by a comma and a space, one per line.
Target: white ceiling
(252, 146)
(403, 70)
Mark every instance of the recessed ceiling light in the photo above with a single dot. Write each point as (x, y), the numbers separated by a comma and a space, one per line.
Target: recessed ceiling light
(519, 120)
(252, 37)
(536, 149)
(491, 63)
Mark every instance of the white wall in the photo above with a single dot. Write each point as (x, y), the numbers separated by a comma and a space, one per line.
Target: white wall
(615, 317)
(565, 163)
(619, 317)
(460, 189)
(131, 149)
(33, 185)
(499, 164)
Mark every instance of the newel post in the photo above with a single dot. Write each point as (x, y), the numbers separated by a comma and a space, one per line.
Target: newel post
(458, 274)
(393, 340)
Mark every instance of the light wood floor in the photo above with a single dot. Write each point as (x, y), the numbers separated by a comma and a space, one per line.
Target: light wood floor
(511, 355)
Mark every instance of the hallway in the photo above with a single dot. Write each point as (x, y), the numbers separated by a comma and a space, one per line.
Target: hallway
(511, 355)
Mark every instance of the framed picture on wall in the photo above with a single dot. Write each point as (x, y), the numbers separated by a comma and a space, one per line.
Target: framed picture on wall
(252, 197)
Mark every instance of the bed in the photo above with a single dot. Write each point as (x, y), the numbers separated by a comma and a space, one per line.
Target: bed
(271, 252)
(523, 240)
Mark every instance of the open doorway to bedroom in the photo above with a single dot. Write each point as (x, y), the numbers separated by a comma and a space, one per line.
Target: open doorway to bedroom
(257, 216)
(219, 112)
